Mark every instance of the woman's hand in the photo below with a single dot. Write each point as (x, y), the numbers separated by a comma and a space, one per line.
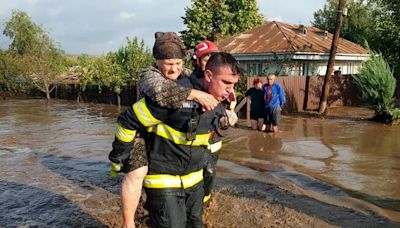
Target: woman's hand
(206, 100)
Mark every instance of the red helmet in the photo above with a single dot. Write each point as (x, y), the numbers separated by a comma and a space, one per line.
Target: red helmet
(205, 47)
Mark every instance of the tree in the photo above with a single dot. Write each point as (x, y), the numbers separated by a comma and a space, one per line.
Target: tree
(114, 70)
(387, 33)
(216, 19)
(359, 24)
(373, 23)
(43, 61)
(377, 83)
(9, 72)
(331, 61)
(132, 58)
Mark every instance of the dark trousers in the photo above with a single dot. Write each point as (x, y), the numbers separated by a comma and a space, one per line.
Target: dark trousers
(209, 173)
(272, 116)
(176, 208)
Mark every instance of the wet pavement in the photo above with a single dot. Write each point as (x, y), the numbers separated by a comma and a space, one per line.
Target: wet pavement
(53, 161)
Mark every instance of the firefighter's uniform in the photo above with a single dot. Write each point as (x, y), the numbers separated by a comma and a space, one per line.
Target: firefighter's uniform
(177, 151)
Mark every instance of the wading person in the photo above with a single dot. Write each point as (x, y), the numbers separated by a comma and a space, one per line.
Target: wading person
(203, 51)
(274, 98)
(155, 83)
(168, 93)
(177, 143)
(256, 104)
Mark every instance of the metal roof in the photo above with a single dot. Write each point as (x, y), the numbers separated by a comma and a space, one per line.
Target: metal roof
(279, 37)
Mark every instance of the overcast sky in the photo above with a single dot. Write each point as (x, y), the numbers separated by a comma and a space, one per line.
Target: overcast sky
(99, 26)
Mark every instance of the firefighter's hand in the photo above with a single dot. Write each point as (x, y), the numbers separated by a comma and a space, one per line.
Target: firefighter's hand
(206, 100)
(115, 168)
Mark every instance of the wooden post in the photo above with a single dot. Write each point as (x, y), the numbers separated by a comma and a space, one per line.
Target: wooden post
(331, 61)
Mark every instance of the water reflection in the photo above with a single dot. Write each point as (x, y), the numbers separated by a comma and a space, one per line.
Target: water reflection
(357, 156)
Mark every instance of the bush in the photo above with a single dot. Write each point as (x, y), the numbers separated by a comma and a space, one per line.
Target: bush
(377, 83)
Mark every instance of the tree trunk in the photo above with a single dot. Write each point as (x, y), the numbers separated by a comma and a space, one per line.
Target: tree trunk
(119, 99)
(331, 61)
(47, 91)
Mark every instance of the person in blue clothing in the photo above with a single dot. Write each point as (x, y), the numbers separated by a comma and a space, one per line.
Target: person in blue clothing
(274, 97)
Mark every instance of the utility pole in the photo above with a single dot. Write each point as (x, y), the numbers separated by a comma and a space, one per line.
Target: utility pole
(331, 61)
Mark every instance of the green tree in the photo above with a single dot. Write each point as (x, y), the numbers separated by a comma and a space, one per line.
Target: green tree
(358, 25)
(100, 71)
(132, 58)
(387, 33)
(43, 61)
(216, 19)
(9, 71)
(377, 83)
(373, 23)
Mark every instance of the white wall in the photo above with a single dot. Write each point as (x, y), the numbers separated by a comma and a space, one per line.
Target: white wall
(298, 68)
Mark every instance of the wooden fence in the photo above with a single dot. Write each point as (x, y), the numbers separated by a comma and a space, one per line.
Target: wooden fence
(95, 94)
(302, 92)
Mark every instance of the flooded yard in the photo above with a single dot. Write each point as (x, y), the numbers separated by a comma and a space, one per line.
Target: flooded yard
(332, 171)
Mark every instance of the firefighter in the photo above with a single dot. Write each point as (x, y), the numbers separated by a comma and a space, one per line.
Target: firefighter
(155, 82)
(177, 144)
(167, 93)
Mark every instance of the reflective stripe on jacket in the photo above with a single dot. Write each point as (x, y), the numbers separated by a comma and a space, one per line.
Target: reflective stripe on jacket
(173, 181)
(170, 149)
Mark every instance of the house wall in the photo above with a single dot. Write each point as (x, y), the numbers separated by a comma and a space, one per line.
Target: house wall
(296, 68)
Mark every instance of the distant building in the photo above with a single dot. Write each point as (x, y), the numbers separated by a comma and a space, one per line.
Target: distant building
(292, 50)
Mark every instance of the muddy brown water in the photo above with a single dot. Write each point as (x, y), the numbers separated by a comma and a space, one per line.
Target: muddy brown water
(54, 168)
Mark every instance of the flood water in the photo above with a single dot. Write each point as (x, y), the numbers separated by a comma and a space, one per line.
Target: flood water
(54, 167)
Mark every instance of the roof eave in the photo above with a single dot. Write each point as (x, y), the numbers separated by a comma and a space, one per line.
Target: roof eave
(313, 56)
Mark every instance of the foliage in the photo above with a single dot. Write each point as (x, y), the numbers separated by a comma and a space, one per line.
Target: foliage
(9, 73)
(42, 61)
(395, 115)
(101, 71)
(241, 87)
(25, 34)
(387, 33)
(377, 84)
(114, 70)
(216, 19)
(132, 58)
(357, 27)
(372, 22)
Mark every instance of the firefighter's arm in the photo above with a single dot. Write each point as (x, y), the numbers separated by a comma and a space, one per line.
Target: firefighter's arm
(137, 118)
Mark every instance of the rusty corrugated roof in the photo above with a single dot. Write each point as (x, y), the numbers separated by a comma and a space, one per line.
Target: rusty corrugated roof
(276, 37)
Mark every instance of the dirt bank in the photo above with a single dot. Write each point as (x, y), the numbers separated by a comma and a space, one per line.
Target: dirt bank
(241, 201)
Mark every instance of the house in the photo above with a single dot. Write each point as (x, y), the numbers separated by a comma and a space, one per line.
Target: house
(293, 50)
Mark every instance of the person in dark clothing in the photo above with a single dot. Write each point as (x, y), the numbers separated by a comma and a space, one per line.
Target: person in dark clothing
(257, 104)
